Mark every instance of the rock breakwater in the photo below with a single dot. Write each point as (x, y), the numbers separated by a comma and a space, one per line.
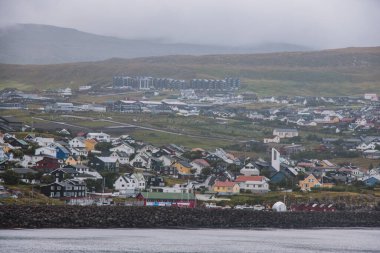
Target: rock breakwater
(156, 217)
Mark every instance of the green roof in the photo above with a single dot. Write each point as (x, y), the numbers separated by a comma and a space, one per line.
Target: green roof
(165, 195)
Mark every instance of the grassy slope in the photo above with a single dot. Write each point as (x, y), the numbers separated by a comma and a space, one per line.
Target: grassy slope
(337, 72)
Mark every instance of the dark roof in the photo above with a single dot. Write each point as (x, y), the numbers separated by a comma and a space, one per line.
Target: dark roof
(24, 171)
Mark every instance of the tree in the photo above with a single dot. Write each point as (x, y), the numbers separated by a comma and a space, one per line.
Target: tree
(206, 171)
(47, 179)
(10, 177)
(96, 185)
(104, 147)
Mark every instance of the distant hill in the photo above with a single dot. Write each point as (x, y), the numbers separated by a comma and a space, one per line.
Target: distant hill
(43, 44)
(330, 72)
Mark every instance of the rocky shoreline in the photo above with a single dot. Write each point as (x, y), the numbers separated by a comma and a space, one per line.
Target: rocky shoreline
(158, 217)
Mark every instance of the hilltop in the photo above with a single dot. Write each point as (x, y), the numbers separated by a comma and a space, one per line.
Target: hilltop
(44, 44)
(347, 71)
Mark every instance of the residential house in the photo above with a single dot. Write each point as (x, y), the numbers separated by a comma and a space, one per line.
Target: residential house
(155, 181)
(104, 163)
(130, 183)
(273, 139)
(47, 164)
(72, 161)
(226, 188)
(169, 171)
(61, 152)
(255, 184)
(26, 175)
(100, 137)
(199, 165)
(372, 181)
(69, 188)
(184, 169)
(311, 182)
(78, 152)
(77, 142)
(90, 144)
(167, 160)
(285, 132)
(45, 150)
(43, 142)
(124, 148)
(141, 160)
(121, 156)
(84, 172)
(250, 170)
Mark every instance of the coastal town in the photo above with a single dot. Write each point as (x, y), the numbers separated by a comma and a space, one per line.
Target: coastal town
(292, 146)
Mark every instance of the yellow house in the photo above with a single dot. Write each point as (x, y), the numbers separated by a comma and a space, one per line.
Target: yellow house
(7, 147)
(183, 168)
(311, 181)
(71, 161)
(90, 144)
(226, 188)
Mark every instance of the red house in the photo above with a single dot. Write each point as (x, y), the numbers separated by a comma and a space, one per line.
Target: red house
(47, 164)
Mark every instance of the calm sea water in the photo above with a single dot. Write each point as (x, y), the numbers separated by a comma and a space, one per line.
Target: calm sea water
(203, 240)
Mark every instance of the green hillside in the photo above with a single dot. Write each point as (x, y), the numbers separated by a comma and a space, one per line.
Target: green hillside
(348, 71)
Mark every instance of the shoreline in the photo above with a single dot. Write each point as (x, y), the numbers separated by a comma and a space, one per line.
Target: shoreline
(79, 217)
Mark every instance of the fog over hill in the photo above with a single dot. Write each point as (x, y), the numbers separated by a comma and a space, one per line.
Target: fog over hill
(329, 72)
(45, 44)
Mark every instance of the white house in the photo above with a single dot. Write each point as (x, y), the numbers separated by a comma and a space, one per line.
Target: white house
(256, 184)
(141, 160)
(199, 164)
(273, 139)
(43, 142)
(285, 133)
(121, 156)
(77, 142)
(78, 151)
(101, 137)
(250, 170)
(50, 151)
(124, 148)
(166, 160)
(130, 183)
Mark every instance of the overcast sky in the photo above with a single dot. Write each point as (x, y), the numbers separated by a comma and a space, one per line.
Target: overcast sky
(312, 23)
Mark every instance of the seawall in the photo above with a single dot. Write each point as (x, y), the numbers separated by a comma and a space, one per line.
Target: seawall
(156, 217)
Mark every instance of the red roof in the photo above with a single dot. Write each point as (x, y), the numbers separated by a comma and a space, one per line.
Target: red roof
(249, 178)
(224, 184)
(202, 162)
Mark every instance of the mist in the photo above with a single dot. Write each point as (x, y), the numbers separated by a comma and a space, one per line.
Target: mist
(312, 23)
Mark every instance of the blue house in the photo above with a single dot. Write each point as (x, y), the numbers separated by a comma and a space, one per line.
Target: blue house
(372, 181)
(62, 152)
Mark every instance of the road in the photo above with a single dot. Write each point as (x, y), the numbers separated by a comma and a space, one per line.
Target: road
(127, 125)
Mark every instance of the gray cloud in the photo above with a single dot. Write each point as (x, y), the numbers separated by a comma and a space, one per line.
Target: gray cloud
(313, 23)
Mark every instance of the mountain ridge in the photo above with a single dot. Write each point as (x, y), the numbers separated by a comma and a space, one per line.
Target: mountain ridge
(46, 44)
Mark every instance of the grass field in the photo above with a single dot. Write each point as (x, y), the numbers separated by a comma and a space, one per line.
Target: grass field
(159, 138)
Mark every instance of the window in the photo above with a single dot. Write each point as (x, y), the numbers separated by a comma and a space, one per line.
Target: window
(122, 185)
(51, 187)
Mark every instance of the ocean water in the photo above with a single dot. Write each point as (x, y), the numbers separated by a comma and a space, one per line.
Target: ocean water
(180, 240)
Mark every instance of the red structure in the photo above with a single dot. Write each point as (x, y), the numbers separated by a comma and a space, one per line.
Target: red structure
(47, 164)
(313, 208)
(186, 200)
